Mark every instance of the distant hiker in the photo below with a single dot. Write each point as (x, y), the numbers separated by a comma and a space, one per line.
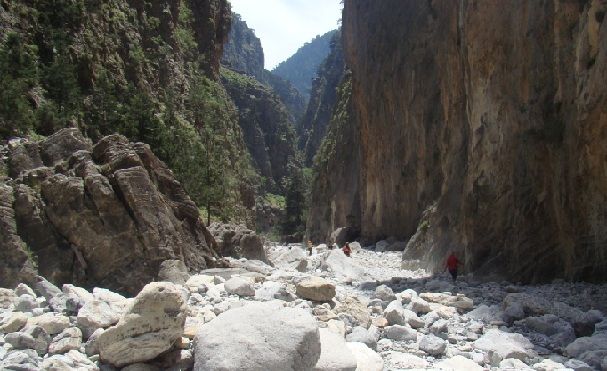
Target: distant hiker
(310, 248)
(452, 263)
(346, 249)
(330, 245)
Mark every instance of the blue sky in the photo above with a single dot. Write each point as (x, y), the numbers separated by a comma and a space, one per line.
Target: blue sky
(285, 25)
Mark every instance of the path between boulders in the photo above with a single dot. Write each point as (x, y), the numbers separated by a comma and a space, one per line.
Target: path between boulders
(321, 312)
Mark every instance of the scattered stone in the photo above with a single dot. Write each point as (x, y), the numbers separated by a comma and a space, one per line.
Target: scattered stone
(342, 266)
(13, 323)
(271, 290)
(501, 345)
(384, 293)
(560, 332)
(26, 303)
(355, 307)
(334, 355)
(259, 336)
(316, 289)
(23, 289)
(458, 363)
(380, 322)
(68, 339)
(361, 335)
(458, 301)
(337, 327)
(52, 323)
(401, 333)
(577, 365)
(95, 314)
(7, 298)
(366, 359)
(31, 337)
(407, 361)
(432, 345)
(91, 346)
(419, 305)
(174, 271)
(513, 364)
(150, 327)
(239, 286)
(548, 365)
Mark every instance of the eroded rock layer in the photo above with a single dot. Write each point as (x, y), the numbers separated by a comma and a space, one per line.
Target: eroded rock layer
(106, 214)
(490, 116)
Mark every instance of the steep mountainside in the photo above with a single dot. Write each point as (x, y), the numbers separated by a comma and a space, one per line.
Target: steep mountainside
(487, 118)
(267, 128)
(243, 54)
(323, 99)
(301, 67)
(147, 70)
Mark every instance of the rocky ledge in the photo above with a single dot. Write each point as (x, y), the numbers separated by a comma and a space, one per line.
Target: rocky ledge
(103, 215)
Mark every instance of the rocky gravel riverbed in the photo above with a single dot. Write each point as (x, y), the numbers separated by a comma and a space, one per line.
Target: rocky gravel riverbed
(319, 312)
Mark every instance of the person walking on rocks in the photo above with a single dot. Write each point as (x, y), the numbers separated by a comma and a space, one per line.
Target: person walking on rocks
(452, 263)
(346, 249)
(309, 248)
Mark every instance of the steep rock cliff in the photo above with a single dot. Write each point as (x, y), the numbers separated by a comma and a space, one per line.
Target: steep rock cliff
(243, 54)
(334, 193)
(266, 126)
(242, 51)
(488, 119)
(323, 99)
(301, 67)
(105, 215)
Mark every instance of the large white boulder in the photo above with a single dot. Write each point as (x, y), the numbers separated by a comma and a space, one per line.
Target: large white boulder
(95, 314)
(334, 355)
(501, 345)
(458, 363)
(342, 266)
(239, 286)
(150, 327)
(366, 359)
(259, 336)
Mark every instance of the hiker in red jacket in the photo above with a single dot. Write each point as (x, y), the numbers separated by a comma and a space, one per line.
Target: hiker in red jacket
(346, 249)
(452, 263)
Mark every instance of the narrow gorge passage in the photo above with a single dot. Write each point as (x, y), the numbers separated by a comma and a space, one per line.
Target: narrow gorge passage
(319, 185)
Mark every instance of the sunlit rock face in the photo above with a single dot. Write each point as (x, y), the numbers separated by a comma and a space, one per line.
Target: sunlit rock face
(490, 117)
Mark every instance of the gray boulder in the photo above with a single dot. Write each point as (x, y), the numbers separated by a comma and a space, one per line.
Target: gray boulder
(316, 289)
(150, 327)
(432, 345)
(174, 271)
(68, 339)
(239, 242)
(384, 293)
(361, 335)
(259, 336)
(337, 262)
(501, 345)
(401, 333)
(239, 286)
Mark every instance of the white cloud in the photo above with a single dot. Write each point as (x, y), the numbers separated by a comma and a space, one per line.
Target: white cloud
(285, 25)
